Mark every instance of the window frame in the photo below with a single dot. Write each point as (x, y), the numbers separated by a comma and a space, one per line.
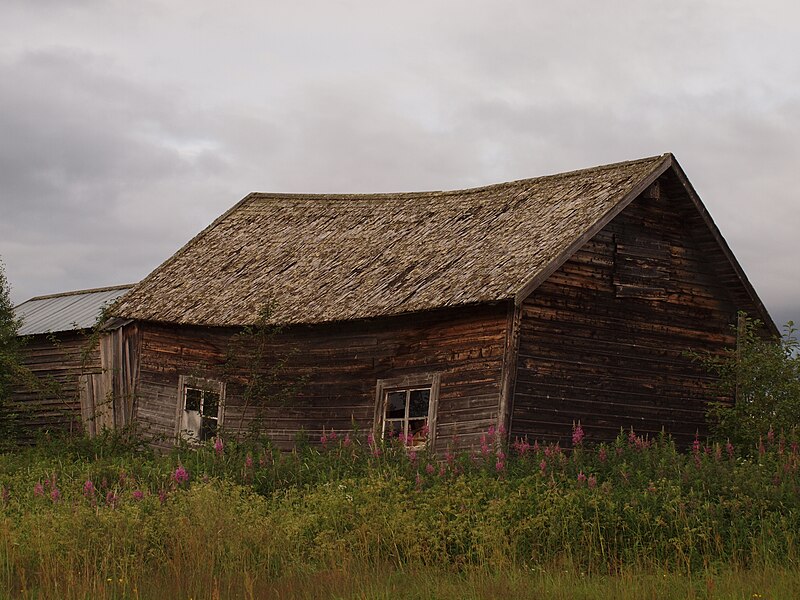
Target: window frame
(408, 383)
(187, 382)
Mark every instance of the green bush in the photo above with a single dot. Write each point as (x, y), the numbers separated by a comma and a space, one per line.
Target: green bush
(763, 375)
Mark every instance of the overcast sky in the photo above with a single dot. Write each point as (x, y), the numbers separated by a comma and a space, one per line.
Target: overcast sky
(126, 127)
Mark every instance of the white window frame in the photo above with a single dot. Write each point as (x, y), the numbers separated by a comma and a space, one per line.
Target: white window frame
(408, 383)
(187, 382)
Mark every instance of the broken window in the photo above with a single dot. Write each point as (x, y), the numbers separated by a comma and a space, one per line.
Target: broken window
(200, 408)
(407, 406)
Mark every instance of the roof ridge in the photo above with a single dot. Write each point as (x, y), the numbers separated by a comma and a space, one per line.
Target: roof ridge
(81, 292)
(424, 193)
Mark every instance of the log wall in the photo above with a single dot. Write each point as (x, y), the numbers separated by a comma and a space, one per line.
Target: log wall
(333, 369)
(51, 400)
(604, 339)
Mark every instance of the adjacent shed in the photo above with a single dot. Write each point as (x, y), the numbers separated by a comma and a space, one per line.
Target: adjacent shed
(64, 363)
(528, 304)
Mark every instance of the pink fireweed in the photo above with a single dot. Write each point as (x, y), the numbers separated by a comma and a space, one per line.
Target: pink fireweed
(696, 445)
(499, 466)
(347, 442)
(521, 446)
(180, 475)
(491, 432)
(332, 435)
(55, 495)
(38, 489)
(412, 456)
(592, 482)
(543, 467)
(323, 439)
(248, 461)
(89, 489)
(501, 429)
(485, 446)
(577, 434)
(602, 454)
(729, 449)
(162, 495)
(111, 499)
(581, 478)
(430, 469)
(418, 481)
(137, 495)
(219, 446)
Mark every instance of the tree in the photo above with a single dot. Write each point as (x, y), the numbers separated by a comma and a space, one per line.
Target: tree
(10, 368)
(763, 376)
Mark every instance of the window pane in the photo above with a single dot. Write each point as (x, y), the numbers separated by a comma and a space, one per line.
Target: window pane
(417, 431)
(396, 405)
(419, 403)
(210, 404)
(208, 429)
(192, 399)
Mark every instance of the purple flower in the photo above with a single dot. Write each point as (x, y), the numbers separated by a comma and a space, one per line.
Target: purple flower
(248, 461)
(696, 445)
(89, 489)
(592, 482)
(581, 478)
(219, 446)
(430, 469)
(603, 454)
(412, 456)
(499, 466)
(577, 434)
(521, 447)
(38, 489)
(180, 475)
(55, 495)
(137, 494)
(543, 466)
(347, 441)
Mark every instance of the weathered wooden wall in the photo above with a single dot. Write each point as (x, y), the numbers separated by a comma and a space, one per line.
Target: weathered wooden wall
(604, 339)
(51, 401)
(336, 367)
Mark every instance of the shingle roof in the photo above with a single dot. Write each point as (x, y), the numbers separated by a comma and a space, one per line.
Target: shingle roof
(66, 311)
(319, 258)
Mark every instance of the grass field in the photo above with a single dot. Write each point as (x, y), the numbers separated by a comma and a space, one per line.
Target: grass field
(359, 519)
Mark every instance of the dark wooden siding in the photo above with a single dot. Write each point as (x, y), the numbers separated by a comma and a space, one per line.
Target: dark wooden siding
(335, 368)
(604, 339)
(50, 400)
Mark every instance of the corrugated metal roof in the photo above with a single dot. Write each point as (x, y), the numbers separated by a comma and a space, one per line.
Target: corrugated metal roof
(67, 311)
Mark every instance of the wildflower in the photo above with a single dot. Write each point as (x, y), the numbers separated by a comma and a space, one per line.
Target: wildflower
(180, 475)
(89, 489)
(729, 449)
(347, 441)
(38, 489)
(442, 471)
(536, 445)
(502, 429)
(543, 466)
(248, 461)
(137, 494)
(450, 457)
(484, 445)
(418, 481)
(603, 454)
(581, 478)
(592, 482)
(491, 432)
(111, 499)
(521, 447)
(323, 439)
(218, 446)
(430, 469)
(332, 435)
(632, 437)
(412, 456)
(55, 495)
(577, 434)
(499, 466)
(162, 495)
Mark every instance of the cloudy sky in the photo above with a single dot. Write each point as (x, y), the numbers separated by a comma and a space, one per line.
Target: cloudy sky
(126, 127)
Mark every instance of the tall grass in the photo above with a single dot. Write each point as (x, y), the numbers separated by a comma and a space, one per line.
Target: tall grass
(91, 519)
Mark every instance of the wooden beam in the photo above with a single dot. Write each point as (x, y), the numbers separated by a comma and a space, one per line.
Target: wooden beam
(509, 371)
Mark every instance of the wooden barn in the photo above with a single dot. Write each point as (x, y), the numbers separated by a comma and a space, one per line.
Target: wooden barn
(529, 304)
(63, 363)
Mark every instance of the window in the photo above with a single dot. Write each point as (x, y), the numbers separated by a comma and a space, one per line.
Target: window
(200, 404)
(407, 406)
